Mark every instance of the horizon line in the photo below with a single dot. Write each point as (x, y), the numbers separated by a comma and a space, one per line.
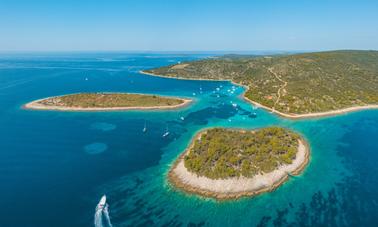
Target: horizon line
(177, 51)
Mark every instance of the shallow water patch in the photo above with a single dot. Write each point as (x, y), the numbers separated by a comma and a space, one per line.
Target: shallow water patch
(95, 148)
(103, 126)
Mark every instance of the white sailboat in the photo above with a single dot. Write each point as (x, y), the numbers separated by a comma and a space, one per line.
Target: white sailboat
(166, 132)
(145, 127)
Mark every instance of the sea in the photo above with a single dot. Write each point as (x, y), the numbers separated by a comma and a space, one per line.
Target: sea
(56, 166)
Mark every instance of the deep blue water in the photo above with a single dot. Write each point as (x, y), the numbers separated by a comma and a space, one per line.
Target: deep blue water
(55, 166)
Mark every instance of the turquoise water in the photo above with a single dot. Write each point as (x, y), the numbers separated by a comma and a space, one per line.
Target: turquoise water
(55, 166)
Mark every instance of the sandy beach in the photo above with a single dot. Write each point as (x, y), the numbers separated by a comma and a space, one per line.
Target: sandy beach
(234, 188)
(313, 115)
(36, 105)
(285, 115)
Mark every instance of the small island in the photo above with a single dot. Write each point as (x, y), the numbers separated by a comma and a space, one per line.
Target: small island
(229, 164)
(106, 101)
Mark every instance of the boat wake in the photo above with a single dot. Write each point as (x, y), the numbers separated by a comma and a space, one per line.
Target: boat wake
(101, 217)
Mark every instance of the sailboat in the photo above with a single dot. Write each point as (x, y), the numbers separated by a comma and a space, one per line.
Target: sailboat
(166, 132)
(145, 127)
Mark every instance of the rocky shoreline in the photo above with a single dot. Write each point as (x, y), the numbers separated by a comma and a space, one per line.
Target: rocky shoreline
(37, 105)
(234, 188)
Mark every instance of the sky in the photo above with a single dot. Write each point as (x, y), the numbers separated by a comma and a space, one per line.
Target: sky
(188, 25)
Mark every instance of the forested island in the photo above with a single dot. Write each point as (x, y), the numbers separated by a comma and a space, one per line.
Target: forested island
(106, 101)
(297, 85)
(230, 163)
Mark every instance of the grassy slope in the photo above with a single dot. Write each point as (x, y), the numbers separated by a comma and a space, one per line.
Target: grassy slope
(316, 82)
(107, 100)
(223, 153)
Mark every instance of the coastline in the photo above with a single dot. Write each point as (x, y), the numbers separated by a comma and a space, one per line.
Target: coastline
(181, 78)
(35, 105)
(291, 116)
(235, 188)
(313, 115)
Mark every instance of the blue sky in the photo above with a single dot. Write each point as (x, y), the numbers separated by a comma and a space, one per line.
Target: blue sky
(190, 25)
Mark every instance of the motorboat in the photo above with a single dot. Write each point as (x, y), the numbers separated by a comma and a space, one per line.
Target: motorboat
(102, 204)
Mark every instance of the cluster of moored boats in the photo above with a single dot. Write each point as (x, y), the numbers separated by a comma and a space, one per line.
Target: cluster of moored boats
(216, 91)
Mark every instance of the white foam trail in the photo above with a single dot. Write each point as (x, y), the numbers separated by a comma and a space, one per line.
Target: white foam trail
(98, 219)
(105, 211)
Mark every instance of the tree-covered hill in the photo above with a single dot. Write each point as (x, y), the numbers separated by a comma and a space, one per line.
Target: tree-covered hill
(222, 153)
(298, 83)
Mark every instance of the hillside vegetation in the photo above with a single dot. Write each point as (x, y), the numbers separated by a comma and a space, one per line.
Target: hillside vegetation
(222, 153)
(297, 84)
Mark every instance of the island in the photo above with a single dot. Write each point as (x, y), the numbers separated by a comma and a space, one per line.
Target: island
(293, 85)
(106, 101)
(229, 163)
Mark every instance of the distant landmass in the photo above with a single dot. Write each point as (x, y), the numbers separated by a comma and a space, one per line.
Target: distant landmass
(296, 85)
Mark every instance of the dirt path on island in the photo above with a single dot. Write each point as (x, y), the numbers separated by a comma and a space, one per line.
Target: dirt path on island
(280, 89)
